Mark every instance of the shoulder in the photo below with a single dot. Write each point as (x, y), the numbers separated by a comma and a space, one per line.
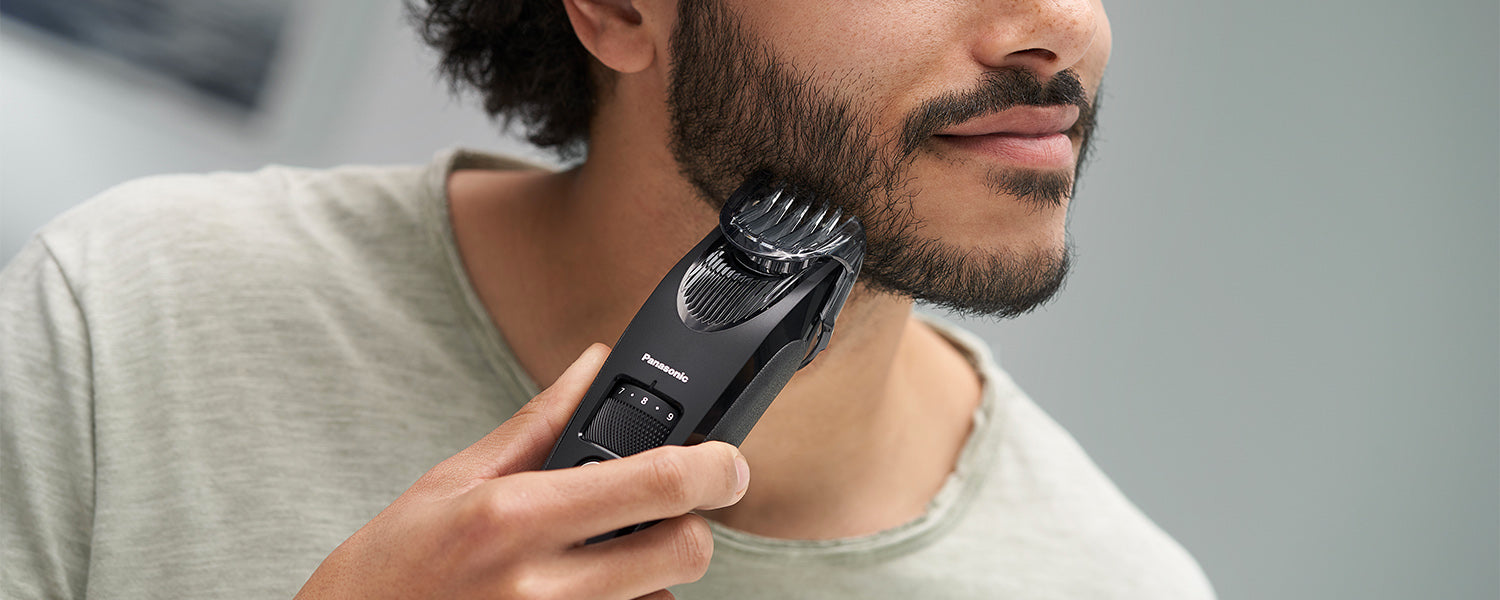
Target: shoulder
(220, 259)
(1052, 516)
(182, 226)
(197, 206)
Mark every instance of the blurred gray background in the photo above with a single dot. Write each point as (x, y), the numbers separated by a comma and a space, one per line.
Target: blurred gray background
(1282, 336)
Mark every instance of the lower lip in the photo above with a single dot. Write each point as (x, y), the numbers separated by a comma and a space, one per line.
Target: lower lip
(1041, 151)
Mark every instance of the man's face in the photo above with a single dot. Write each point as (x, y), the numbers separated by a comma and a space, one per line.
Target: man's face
(861, 101)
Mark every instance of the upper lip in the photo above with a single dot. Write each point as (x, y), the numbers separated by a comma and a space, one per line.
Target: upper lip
(1021, 120)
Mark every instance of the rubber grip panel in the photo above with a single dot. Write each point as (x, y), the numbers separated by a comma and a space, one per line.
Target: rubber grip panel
(746, 411)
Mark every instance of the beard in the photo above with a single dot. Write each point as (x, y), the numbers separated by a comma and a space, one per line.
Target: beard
(737, 107)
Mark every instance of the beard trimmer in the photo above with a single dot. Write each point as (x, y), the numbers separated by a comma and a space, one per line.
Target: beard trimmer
(724, 331)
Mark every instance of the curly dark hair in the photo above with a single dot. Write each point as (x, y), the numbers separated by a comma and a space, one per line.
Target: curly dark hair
(522, 57)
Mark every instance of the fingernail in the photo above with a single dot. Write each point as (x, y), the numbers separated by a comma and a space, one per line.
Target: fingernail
(741, 473)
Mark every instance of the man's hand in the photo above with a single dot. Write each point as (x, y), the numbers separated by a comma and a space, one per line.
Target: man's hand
(483, 524)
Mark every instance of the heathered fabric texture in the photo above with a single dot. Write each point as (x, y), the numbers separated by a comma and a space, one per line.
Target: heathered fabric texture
(208, 382)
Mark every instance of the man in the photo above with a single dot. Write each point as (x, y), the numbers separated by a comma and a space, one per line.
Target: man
(224, 385)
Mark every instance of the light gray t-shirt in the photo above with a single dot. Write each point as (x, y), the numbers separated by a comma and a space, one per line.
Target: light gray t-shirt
(208, 382)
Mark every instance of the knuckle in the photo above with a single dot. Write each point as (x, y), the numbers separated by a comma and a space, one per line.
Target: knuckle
(667, 474)
(693, 546)
(494, 511)
(530, 584)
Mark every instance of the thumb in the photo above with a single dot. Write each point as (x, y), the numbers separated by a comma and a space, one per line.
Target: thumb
(523, 442)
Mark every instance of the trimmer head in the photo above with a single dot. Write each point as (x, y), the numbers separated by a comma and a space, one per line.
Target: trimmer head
(774, 234)
(780, 229)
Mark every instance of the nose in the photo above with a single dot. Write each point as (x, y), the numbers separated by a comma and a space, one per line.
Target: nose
(1045, 36)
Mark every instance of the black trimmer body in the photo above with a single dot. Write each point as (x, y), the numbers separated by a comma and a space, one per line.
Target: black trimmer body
(724, 331)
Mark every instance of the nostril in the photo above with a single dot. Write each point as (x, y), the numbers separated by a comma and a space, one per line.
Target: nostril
(1040, 53)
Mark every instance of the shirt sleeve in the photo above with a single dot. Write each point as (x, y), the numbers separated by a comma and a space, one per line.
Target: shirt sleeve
(46, 431)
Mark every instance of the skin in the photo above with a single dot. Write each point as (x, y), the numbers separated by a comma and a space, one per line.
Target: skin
(859, 441)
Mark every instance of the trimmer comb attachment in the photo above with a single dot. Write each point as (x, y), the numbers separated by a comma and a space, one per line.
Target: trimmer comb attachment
(779, 230)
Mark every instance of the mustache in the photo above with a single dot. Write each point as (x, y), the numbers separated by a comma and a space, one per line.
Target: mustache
(997, 91)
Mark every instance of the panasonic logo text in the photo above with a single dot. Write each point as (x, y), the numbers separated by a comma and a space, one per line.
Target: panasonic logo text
(678, 375)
